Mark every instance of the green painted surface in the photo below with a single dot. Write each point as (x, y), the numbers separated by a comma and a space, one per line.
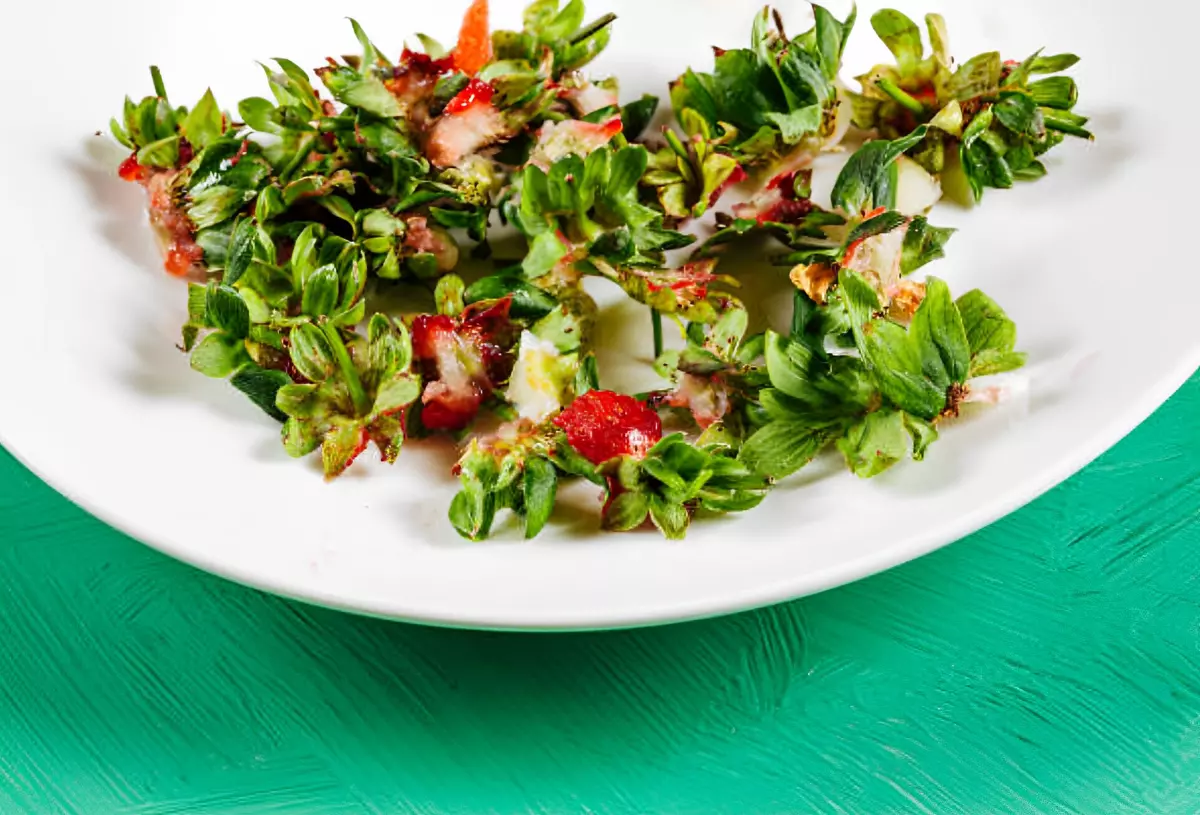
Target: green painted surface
(1047, 665)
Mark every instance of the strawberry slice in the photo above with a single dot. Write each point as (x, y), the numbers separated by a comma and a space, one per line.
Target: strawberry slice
(474, 49)
(603, 425)
(469, 123)
(463, 361)
(777, 203)
(557, 140)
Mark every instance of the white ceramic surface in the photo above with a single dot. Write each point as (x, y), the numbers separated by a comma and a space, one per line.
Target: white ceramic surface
(1093, 262)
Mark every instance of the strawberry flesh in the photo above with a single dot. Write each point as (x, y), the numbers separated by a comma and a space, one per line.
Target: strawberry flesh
(602, 425)
(778, 203)
(463, 361)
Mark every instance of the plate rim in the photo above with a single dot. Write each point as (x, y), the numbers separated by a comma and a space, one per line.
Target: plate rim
(788, 589)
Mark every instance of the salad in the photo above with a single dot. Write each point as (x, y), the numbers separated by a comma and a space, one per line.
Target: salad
(292, 217)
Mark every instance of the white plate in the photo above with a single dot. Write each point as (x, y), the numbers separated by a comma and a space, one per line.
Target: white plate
(1094, 262)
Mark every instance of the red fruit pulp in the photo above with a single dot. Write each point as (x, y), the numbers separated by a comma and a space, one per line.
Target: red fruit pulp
(603, 425)
(477, 92)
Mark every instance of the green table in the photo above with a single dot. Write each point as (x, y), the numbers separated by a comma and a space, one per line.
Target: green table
(1046, 665)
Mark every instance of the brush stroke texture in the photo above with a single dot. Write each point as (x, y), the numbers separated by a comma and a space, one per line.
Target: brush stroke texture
(1050, 664)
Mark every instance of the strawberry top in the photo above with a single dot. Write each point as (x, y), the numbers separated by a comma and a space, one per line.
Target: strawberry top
(603, 425)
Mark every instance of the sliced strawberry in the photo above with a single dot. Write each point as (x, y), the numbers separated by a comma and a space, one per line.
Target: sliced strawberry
(559, 139)
(463, 361)
(470, 123)
(603, 425)
(777, 203)
(474, 49)
(477, 92)
(853, 248)
(412, 82)
(587, 97)
(706, 398)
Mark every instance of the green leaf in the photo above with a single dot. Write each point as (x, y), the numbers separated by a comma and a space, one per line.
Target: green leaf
(356, 90)
(1053, 65)
(627, 511)
(241, 251)
(298, 401)
(783, 447)
(799, 123)
(545, 251)
(299, 438)
(311, 353)
(215, 204)
(218, 355)
(269, 204)
(726, 334)
(628, 167)
(895, 362)
(923, 244)
(937, 329)
(371, 55)
(977, 76)
(989, 362)
(161, 153)
(902, 38)
(431, 46)
(1019, 113)
(304, 260)
(472, 511)
(865, 183)
(119, 134)
(262, 386)
(339, 207)
(397, 393)
(803, 79)
(637, 115)
(261, 114)
(448, 295)
(986, 325)
(341, 446)
(227, 311)
(875, 443)
(879, 225)
(923, 434)
(745, 86)
(991, 335)
(528, 301)
(831, 37)
(389, 346)
(541, 487)
(672, 519)
(204, 123)
(321, 291)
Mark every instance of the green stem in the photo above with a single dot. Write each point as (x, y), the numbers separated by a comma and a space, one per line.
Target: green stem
(593, 28)
(656, 324)
(1065, 122)
(900, 95)
(160, 89)
(358, 395)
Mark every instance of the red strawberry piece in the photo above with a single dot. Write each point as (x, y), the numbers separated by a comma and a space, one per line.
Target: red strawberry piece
(474, 48)
(603, 425)
(777, 203)
(477, 92)
(130, 170)
(463, 361)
